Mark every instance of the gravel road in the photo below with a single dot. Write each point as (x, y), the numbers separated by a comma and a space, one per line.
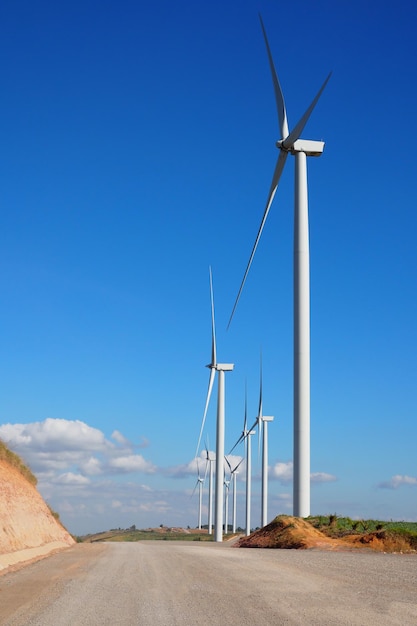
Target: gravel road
(186, 583)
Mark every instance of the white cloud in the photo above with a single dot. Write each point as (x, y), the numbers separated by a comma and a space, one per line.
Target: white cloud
(55, 434)
(396, 481)
(59, 445)
(69, 478)
(322, 477)
(282, 472)
(83, 475)
(200, 465)
(132, 463)
(155, 507)
(189, 469)
(121, 439)
(91, 466)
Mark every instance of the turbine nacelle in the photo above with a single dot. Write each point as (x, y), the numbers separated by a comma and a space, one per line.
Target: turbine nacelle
(221, 367)
(224, 367)
(308, 146)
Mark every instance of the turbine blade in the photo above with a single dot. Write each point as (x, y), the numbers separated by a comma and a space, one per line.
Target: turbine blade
(245, 422)
(210, 388)
(275, 180)
(227, 461)
(213, 325)
(205, 470)
(253, 426)
(237, 466)
(260, 425)
(260, 414)
(298, 129)
(195, 487)
(241, 438)
(260, 390)
(279, 98)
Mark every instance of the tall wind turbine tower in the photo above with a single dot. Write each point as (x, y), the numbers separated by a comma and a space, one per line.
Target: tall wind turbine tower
(210, 459)
(233, 477)
(261, 422)
(246, 437)
(264, 513)
(226, 505)
(221, 368)
(290, 143)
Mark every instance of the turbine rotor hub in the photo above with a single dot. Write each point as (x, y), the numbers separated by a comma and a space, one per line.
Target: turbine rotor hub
(280, 145)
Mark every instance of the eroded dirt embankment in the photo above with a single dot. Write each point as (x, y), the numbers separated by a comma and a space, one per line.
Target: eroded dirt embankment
(27, 527)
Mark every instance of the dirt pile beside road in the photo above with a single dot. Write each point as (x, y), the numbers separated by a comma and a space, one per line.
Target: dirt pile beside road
(28, 529)
(288, 532)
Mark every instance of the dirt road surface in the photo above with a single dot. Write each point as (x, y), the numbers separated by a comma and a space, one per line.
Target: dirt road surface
(187, 583)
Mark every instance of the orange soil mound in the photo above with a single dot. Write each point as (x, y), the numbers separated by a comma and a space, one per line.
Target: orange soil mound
(296, 533)
(287, 532)
(25, 520)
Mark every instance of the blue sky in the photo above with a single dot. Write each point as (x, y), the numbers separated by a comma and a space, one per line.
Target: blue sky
(137, 148)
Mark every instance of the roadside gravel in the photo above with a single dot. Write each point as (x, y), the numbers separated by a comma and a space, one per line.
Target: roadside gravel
(185, 583)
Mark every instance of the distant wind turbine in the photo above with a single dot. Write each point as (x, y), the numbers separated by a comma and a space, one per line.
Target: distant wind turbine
(221, 368)
(199, 484)
(261, 422)
(290, 143)
(210, 459)
(246, 437)
(226, 504)
(233, 476)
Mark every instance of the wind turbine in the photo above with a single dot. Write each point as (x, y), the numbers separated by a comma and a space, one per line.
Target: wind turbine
(261, 422)
(221, 368)
(210, 460)
(233, 476)
(290, 143)
(199, 483)
(246, 437)
(226, 504)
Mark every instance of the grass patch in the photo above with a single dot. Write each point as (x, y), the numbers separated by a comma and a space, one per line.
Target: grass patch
(151, 534)
(15, 461)
(147, 535)
(395, 533)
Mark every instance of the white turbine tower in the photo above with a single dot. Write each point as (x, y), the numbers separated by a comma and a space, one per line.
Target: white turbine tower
(262, 423)
(246, 437)
(226, 504)
(264, 515)
(221, 368)
(199, 483)
(210, 459)
(233, 476)
(290, 143)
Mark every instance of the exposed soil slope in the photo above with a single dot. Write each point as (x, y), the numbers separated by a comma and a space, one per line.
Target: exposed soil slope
(27, 526)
